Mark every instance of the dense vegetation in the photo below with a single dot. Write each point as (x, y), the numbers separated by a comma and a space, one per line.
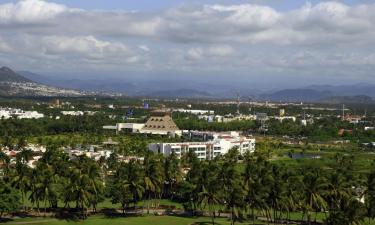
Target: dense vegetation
(245, 191)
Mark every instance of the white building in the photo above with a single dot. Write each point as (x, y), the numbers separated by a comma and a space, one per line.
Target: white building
(220, 145)
(30, 115)
(72, 113)
(195, 111)
(6, 113)
(282, 118)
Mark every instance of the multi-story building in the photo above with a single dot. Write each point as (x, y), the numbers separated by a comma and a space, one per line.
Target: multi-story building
(219, 145)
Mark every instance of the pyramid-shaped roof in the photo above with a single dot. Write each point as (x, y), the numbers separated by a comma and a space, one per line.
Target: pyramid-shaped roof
(160, 121)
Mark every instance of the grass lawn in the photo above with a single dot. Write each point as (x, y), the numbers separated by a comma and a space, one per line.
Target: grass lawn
(100, 220)
(141, 220)
(108, 204)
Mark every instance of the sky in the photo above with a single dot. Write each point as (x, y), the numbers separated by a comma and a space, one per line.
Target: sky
(249, 42)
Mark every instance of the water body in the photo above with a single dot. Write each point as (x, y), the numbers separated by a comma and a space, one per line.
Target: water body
(303, 156)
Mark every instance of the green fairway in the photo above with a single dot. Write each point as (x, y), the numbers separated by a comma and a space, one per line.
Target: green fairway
(99, 220)
(142, 220)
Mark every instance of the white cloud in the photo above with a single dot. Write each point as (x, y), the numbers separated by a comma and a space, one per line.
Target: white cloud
(84, 45)
(191, 37)
(144, 48)
(216, 51)
(4, 47)
(248, 15)
(30, 11)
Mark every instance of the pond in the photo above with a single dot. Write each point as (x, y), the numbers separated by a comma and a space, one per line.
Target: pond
(303, 156)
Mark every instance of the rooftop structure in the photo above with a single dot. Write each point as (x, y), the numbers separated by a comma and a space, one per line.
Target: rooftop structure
(160, 122)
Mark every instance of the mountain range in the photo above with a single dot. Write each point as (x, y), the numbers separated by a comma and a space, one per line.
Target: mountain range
(28, 83)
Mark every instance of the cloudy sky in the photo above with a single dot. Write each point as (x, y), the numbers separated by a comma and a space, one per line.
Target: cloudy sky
(261, 41)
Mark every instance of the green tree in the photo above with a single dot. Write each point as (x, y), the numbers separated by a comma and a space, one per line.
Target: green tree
(209, 194)
(10, 199)
(153, 177)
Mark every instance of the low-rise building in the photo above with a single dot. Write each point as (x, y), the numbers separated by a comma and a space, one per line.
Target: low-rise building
(220, 145)
(6, 113)
(196, 111)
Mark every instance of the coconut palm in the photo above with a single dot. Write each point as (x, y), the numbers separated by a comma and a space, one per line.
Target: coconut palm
(153, 176)
(5, 162)
(370, 195)
(210, 192)
(172, 175)
(314, 186)
(21, 178)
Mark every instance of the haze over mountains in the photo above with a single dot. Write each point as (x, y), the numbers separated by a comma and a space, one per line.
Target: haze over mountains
(356, 93)
(28, 83)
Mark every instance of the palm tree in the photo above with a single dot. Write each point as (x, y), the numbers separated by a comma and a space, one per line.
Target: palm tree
(370, 195)
(252, 179)
(210, 189)
(24, 156)
(84, 183)
(232, 186)
(5, 161)
(234, 199)
(172, 174)
(276, 196)
(21, 178)
(314, 186)
(209, 197)
(35, 196)
(153, 176)
(126, 185)
(21, 143)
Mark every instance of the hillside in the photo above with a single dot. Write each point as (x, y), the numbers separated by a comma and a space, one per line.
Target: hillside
(296, 95)
(14, 84)
(358, 99)
(8, 75)
(180, 93)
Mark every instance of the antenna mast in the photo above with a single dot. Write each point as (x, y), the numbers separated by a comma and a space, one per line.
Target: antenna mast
(238, 103)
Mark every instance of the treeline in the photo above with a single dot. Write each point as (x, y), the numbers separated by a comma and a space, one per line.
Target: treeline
(244, 191)
(322, 129)
(51, 126)
(186, 121)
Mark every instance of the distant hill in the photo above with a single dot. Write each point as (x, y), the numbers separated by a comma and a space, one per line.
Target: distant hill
(34, 77)
(358, 99)
(347, 90)
(181, 93)
(296, 95)
(14, 84)
(8, 75)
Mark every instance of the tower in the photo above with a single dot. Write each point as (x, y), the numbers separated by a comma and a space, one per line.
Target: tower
(238, 103)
